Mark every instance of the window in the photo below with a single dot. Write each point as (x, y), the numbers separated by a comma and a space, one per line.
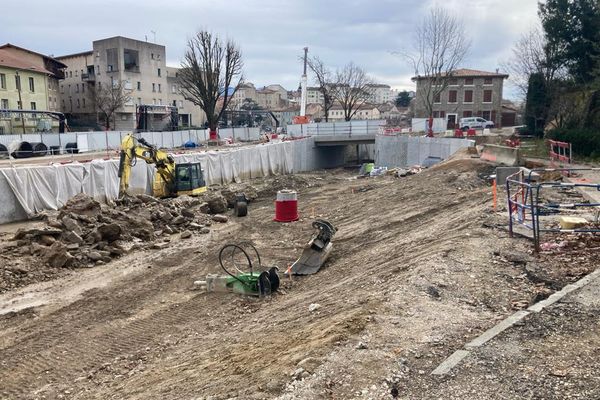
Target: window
(468, 81)
(4, 104)
(75, 73)
(82, 88)
(467, 114)
(32, 105)
(487, 96)
(78, 104)
(437, 98)
(139, 100)
(139, 85)
(18, 82)
(439, 114)
(152, 56)
(69, 89)
(181, 103)
(31, 85)
(2, 81)
(452, 82)
(468, 96)
(70, 74)
(159, 72)
(160, 102)
(83, 103)
(62, 89)
(77, 88)
(174, 89)
(452, 96)
(159, 88)
(174, 103)
(153, 101)
(63, 104)
(488, 81)
(19, 105)
(154, 87)
(487, 115)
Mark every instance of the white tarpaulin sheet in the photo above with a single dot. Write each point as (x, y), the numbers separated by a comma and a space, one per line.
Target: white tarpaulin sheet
(38, 188)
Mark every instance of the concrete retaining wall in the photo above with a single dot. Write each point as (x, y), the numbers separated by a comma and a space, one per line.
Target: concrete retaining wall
(10, 209)
(406, 151)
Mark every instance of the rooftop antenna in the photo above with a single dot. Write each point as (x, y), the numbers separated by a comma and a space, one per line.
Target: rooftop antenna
(154, 33)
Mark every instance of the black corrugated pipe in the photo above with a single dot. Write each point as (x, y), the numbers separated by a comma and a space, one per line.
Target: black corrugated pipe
(24, 150)
(39, 149)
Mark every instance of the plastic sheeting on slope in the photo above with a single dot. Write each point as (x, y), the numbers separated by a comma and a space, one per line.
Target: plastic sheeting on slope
(49, 187)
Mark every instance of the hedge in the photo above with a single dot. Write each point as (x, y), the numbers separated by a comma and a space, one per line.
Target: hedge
(585, 141)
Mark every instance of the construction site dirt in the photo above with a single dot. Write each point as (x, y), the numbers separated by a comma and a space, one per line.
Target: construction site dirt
(420, 266)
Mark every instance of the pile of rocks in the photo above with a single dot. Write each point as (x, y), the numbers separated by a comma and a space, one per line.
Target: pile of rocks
(85, 232)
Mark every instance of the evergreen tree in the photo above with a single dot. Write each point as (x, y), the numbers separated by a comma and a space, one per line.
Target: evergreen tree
(403, 99)
(537, 105)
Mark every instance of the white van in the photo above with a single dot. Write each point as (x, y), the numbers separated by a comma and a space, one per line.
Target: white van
(474, 123)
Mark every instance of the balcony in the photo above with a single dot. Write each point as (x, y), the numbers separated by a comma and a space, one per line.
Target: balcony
(132, 68)
(88, 77)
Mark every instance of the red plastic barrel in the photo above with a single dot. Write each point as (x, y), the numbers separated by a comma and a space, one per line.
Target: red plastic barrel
(471, 132)
(458, 133)
(213, 134)
(286, 206)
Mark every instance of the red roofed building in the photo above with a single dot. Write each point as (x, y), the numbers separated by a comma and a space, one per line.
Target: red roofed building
(470, 93)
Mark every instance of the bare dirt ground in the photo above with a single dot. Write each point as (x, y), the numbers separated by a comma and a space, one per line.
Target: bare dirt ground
(420, 266)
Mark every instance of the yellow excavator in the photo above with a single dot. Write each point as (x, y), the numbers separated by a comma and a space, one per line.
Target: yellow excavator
(170, 180)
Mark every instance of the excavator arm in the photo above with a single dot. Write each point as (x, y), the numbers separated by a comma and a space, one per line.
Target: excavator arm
(132, 149)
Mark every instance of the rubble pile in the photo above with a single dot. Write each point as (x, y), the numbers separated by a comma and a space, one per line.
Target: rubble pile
(85, 232)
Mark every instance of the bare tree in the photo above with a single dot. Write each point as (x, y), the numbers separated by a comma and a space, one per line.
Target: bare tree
(324, 79)
(352, 89)
(441, 45)
(209, 70)
(532, 54)
(108, 99)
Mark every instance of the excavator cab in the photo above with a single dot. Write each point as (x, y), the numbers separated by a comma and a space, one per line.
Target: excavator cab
(189, 179)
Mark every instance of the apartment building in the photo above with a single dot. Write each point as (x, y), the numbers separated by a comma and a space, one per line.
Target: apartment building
(269, 97)
(381, 94)
(28, 81)
(140, 66)
(469, 93)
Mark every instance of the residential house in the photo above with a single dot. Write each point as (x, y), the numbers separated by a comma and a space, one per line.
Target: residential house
(366, 111)
(140, 66)
(286, 115)
(28, 81)
(245, 91)
(470, 93)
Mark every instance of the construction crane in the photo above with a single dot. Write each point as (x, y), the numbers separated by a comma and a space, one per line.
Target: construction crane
(302, 118)
(170, 179)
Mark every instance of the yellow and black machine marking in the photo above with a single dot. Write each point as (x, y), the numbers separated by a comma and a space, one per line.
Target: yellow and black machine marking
(170, 179)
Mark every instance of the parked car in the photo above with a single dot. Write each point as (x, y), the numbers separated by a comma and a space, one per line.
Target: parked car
(475, 123)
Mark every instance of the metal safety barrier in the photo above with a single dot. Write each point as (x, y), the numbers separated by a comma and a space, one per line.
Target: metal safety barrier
(526, 206)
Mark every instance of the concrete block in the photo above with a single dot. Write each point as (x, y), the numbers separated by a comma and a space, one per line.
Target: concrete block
(450, 362)
(496, 330)
(510, 156)
(502, 173)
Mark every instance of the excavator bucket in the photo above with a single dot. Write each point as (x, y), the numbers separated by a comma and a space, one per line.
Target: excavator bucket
(317, 251)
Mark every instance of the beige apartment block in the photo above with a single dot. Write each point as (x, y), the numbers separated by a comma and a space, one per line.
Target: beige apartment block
(141, 66)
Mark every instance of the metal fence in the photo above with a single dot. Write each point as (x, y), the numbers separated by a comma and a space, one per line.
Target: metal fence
(527, 206)
(349, 128)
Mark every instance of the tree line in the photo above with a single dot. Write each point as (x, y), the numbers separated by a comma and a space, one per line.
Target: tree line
(557, 68)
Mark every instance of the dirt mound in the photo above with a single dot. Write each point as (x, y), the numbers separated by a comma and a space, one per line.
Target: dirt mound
(85, 233)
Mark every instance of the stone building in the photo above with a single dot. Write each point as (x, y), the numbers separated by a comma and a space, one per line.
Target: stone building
(470, 93)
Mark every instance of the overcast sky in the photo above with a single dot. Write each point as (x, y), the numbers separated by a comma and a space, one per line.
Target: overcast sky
(271, 33)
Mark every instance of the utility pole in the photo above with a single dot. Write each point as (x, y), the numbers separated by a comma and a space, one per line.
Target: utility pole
(303, 85)
(20, 102)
